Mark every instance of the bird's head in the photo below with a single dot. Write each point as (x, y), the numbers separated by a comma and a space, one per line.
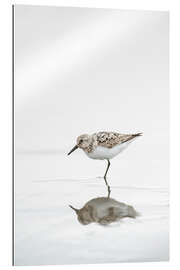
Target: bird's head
(83, 141)
(84, 214)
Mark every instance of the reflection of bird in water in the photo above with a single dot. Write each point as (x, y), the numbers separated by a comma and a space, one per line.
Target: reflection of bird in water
(104, 145)
(104, 211)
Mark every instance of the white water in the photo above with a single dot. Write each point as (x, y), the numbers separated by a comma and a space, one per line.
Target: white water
(47, 230)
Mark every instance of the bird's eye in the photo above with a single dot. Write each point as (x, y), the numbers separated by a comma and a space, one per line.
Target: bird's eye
(81, 141)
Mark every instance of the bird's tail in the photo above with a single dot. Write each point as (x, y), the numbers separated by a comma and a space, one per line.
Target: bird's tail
(132, 136)
(132, 212)
(137, 134)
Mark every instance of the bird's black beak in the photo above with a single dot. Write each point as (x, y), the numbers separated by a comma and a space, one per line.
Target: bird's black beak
(75, 209)
(72, 150)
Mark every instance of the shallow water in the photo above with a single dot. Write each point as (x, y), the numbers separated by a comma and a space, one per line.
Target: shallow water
(47, 230)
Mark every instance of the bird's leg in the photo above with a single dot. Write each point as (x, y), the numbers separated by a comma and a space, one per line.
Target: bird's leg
(109, 191)
(107, 168)
(108, 187)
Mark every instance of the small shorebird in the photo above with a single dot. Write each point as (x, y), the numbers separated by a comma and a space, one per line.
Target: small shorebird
(104, 145)
(104, 211)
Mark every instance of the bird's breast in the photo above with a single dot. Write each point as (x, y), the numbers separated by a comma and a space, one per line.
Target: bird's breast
(101, 152)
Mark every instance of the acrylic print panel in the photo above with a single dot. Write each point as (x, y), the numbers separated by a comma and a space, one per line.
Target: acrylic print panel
(90, 71)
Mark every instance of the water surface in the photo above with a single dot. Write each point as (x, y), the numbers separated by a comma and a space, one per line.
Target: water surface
(47, 230)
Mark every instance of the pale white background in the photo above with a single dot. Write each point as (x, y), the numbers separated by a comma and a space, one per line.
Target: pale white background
(160, 7)
(81, 70)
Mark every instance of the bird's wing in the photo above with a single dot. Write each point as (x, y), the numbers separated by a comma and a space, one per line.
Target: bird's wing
(110, 139)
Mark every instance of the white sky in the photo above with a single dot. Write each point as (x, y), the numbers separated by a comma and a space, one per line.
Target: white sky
(80, 70)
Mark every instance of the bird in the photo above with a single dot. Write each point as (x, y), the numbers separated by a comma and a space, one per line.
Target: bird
(104, 145)
(104, 211)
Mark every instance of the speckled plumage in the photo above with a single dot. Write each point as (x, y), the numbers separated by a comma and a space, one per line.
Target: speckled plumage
(110, 139)
(104, 145)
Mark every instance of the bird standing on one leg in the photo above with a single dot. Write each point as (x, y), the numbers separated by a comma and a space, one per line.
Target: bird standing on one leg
(108, 187)
(107, 168)
(104, 145)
